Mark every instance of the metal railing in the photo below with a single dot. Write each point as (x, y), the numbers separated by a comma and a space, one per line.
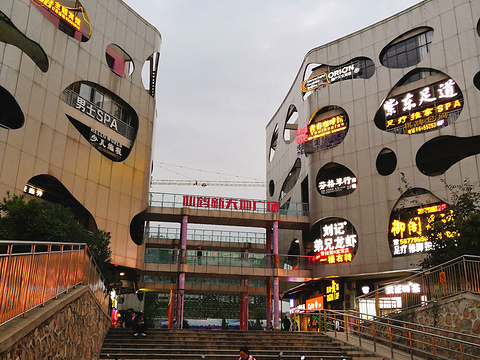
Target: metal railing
(451, 278)
(243, 237)
(32, 273)
(227, 204)
(416, 340)
(227, 258)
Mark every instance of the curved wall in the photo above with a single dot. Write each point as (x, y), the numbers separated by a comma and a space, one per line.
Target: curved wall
(454, 50)
(48, 143)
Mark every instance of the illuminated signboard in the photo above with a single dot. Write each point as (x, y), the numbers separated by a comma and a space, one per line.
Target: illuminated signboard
(230, 204)
(72, 20)
(62, 12)
(333, 291)
(314, 303)
(335, 180)
(410, 288)
(424, 109)
(322, 134)
(336, 242)
(32, 190)
(356, 68)
(408, 230)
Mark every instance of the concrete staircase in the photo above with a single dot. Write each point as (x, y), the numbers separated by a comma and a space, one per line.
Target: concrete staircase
(222, 345)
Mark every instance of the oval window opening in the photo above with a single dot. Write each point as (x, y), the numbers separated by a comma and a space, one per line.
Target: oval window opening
(273, 144)
(119, 61)
(407, 49)
(326, 129)
(11, 116)
(291, 124)
(332, 241)
(291, 179)
(106, 121)
(149, 73)
(335, 180)
(386, 162)
(423, 100)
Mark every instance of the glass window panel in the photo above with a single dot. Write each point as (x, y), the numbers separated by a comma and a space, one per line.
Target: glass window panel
(413, 57)
(412, 43)
(107, 103)
(97, 98)
(85, 92)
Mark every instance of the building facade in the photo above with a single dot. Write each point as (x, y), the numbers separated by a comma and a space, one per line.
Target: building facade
(77, 94)
(373, 126)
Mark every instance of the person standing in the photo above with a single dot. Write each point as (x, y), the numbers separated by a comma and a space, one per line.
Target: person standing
(286, 324)
(245, 354)
(199, 254)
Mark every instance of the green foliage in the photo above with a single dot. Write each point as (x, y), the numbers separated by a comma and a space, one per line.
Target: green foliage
(35, 220)
(462, 236)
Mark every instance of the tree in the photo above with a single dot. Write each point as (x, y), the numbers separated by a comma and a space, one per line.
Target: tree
(35, 220)
(464, 231)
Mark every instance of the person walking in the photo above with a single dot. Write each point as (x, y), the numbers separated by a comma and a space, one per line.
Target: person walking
(286, 324)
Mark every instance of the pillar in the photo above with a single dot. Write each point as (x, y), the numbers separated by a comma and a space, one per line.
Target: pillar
(268, 263)
(181, 275)
(275, 279)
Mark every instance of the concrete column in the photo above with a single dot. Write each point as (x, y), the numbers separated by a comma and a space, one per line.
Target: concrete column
(268, 301)
(181, 276)
(275, 279)
(276, 312)
(180, 300)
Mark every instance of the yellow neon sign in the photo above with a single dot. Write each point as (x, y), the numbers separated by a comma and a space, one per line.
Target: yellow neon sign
(62, 12)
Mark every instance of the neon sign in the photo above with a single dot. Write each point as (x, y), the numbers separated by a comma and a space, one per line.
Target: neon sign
(337, 185)
(424, 109)
(230, 204)
(333, 291)
(407, 234)
(342, 72)
(32, 190)
(62, 12)
(323, 134)
(410, 288)
(337, 242)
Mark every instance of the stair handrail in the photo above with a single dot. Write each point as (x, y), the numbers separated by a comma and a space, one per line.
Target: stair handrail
(33, 272)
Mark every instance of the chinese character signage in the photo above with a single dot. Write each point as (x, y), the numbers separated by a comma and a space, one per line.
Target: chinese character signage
(424, 109)
(230, 204)
(410, 288)
(32, 190)
(314, 304)
(73, 17)
(106, 145)
(410, 230)
(335, 241)
(322, 134)
(333, 291)
(335, 180)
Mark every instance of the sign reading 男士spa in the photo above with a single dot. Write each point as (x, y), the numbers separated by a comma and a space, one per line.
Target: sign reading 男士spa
(424, 109)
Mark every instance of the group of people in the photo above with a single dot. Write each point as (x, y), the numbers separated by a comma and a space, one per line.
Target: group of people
(135, 320)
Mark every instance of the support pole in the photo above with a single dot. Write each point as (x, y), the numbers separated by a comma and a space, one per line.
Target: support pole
(275, 279)
(181, 276)
(268, 263)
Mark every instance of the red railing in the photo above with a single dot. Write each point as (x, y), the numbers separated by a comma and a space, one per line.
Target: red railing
(32, 273)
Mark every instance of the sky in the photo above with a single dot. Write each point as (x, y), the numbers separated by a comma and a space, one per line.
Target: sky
(225, 68)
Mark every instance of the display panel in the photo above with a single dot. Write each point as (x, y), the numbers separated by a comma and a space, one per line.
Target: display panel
(334, 241)
(412, 230)
(423, 109)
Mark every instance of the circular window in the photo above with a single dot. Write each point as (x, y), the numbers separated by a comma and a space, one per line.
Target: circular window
(386, 162)
(271, 187)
